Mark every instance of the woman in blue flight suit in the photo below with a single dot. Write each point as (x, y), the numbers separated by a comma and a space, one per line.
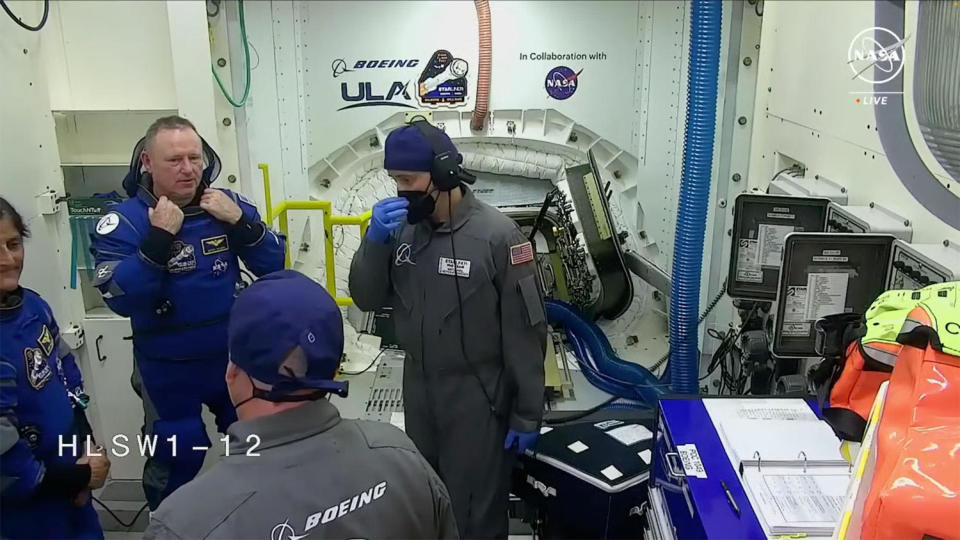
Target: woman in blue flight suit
(44, 486)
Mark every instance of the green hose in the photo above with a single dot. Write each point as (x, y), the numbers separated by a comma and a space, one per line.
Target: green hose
(246, 54)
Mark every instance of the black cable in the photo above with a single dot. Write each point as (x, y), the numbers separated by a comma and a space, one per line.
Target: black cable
(456, 281)
(366, 369)
(794, 167)
(703, 316)
(581, 414)
(16, 19)
(543, 213)
(109, 511)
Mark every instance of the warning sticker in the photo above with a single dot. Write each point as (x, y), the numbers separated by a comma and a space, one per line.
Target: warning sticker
(775, 215)
(771, 243)
(795, 322)
(748, 263)
(826, 294)
(796, 329)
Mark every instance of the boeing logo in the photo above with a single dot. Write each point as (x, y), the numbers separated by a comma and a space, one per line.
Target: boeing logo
(339, 66)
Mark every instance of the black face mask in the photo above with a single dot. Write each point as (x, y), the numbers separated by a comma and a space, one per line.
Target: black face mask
(421, 205)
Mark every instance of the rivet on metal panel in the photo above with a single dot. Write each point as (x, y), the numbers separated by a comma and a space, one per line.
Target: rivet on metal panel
(742, 120)
(222, 62)
(723, 203)
(946, 243)
(906, 223)
(227, 121)
(747, 61)
(736, 177)
(232, 178)
(871, 205)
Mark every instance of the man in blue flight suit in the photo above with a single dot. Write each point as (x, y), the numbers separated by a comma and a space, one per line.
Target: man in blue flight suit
(168, 259)
(45, 488)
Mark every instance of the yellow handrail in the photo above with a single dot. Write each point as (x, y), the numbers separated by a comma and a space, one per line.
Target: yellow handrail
(329, 221)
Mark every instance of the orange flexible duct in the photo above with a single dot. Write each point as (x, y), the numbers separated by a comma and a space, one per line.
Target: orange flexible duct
(486, 61)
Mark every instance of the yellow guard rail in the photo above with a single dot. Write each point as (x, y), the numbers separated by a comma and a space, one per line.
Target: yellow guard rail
(329, 222)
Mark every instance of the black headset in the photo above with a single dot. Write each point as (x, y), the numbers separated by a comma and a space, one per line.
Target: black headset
(446, 171)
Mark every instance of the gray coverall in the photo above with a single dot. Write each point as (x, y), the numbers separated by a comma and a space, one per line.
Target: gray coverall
(316, 475)
(504, 335)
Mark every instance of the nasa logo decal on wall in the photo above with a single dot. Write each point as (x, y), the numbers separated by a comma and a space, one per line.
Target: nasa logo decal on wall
(443, 81)
(561, 82)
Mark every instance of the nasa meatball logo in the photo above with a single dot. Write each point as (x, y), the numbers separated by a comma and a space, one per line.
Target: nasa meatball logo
(876, 55)
(562, 82)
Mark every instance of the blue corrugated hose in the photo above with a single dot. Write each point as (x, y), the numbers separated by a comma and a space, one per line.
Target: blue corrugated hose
(704, 63)
(612, 375)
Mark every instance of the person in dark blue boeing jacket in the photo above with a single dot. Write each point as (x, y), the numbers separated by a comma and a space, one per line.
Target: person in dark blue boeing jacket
(168, 259)
(46, 478)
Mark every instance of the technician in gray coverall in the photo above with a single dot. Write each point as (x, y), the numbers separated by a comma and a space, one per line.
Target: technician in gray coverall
(475, 337)
(294, 468)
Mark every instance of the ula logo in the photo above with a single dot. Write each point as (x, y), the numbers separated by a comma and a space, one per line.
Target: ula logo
(366, 97)
(878, 48)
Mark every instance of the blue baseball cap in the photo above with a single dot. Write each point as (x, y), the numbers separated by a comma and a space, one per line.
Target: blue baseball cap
(407, 149)
(278, 313)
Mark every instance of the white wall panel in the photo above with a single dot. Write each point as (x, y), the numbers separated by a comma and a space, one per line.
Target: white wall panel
(805, 110)
(355, 31)
(109, 55)
(28, 152)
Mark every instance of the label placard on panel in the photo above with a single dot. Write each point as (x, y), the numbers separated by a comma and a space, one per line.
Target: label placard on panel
(771, 243)
(795, 322)
(748, 261)
(826, 294)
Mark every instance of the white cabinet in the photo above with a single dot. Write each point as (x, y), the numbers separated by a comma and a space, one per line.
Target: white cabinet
(115, 409)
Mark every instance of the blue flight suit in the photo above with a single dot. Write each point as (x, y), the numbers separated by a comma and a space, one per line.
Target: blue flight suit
(177, 291)
(41, 399)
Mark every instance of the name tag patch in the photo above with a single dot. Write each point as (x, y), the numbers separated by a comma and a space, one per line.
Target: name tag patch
(217, 244)
(446, 267)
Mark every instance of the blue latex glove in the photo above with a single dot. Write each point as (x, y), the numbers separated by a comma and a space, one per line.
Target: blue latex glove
(520, 441)
(388, 216)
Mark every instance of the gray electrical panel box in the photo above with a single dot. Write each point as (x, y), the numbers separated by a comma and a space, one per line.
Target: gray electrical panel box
(914, 266)
(867, 219)
(760, 225)
(825, 274)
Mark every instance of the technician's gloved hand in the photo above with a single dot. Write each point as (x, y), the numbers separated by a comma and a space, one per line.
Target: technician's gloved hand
(388, 216)
(520, 441)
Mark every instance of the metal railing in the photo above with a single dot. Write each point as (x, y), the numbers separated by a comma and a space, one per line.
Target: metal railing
(329, 222)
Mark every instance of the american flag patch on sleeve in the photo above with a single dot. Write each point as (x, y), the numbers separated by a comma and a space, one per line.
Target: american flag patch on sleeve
(521, 253)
